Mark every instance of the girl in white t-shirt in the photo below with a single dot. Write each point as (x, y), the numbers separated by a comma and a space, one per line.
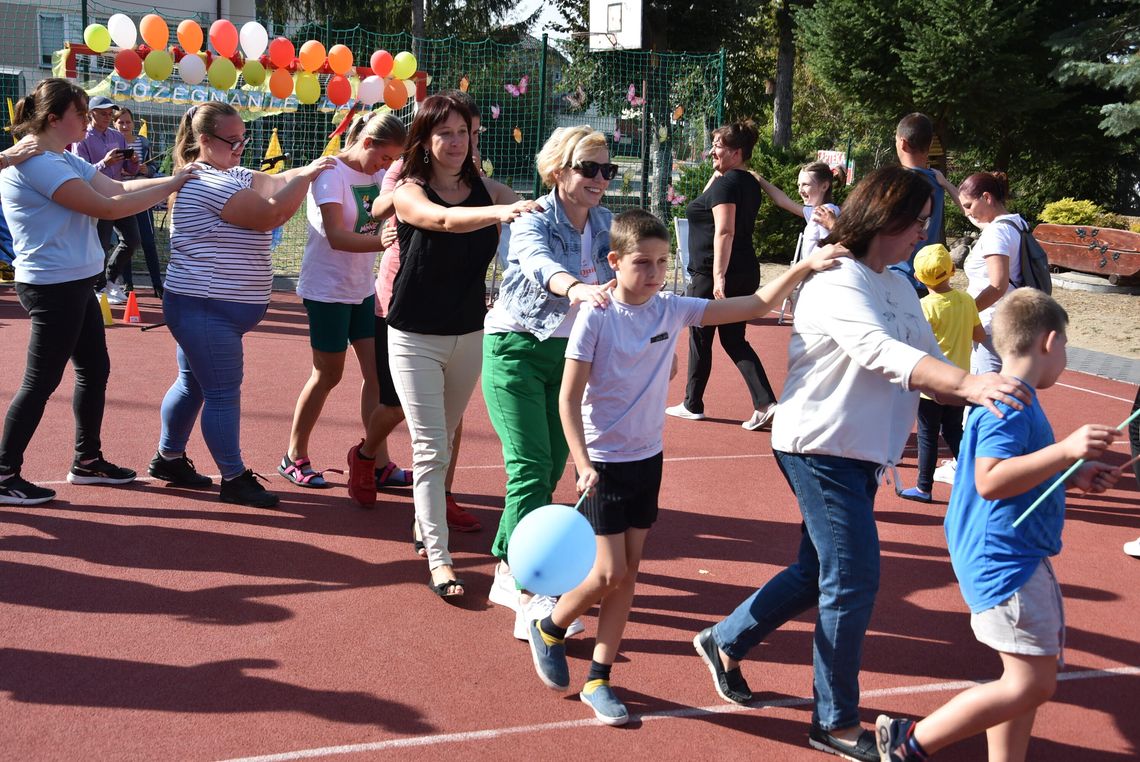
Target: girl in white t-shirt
(816, 183)
(336, 286)
(993, 267)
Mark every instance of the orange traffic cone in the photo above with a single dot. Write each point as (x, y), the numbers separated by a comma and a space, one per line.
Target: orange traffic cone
(105, 308)
(131, 314)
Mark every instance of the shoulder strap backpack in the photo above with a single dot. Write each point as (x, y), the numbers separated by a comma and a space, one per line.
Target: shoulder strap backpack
(1033, 259)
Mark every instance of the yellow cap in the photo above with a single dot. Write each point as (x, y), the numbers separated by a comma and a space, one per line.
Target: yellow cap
(932, 264)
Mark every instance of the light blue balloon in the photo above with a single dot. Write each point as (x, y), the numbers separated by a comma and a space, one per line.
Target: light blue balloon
(551, 550)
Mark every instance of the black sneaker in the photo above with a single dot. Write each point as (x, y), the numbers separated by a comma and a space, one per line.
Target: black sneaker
(179, 472)
(17, 491)
(729, 683)
(863, 750)
(100, 471)
(244, 490)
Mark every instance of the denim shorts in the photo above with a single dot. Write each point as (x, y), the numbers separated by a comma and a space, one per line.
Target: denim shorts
(1031, 622)
(333, 326)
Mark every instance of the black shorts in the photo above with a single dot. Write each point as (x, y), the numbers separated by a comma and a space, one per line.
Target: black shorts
(625, 496)
(388, 394)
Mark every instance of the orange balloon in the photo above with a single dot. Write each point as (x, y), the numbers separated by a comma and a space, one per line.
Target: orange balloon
(224, 37)
(282, 53)
(340, 59)
(312, 56)
(339, 90)
(281, 84)
(154, 31)
(190, 36)
(395, 94)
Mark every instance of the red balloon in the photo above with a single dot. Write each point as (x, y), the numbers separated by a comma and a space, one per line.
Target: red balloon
(224, 37)
(339, 90)
(282, 53)
(381, 63)
(128, 64)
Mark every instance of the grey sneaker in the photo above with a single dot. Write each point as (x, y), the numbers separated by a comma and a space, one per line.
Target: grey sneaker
(599, 696)
(549, 659)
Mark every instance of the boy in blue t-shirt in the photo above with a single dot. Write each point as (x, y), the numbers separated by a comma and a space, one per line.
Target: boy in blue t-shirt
(619, 360)
(1004, 572)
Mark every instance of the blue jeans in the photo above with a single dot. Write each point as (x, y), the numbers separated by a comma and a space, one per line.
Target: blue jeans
(210, 369)
(837, 571)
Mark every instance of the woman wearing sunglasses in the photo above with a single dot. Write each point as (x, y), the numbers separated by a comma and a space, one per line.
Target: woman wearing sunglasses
(557, 261)
(217, 288)
(722, 264)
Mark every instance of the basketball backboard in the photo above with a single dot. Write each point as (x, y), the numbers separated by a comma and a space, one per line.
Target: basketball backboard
(615, 25)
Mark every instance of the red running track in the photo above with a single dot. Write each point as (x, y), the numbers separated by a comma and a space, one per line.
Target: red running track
(156, 623)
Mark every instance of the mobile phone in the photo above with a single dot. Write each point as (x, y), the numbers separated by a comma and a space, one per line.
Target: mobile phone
(128, 153)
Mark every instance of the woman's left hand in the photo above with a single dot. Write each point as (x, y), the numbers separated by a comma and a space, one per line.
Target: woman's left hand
(823, 216)
(989, 388)
(25, 149)
(599, 296)
(186, 172)
(388, 234)
(824, 257)
(317, 166)
(718, 286)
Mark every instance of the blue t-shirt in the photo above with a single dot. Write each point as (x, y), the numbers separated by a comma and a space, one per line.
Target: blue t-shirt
(53, 244)
(991, 558)
(934, 232)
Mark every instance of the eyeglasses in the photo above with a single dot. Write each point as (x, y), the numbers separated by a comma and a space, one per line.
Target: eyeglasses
(235, 145)
(923, 222)
(592, 168)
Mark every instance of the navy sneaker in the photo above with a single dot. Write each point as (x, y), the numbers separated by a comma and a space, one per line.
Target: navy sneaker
(99, 471)
(915, 494)
(549, 656)
(599, 696)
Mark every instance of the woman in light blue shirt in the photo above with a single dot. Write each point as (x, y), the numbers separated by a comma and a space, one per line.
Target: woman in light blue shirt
(52, 202)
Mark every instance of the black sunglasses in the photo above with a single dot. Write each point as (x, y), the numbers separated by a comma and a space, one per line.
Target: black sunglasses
(235, 145)
(592, 168)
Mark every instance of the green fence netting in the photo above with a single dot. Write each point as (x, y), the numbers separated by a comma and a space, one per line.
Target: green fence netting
(656, 108)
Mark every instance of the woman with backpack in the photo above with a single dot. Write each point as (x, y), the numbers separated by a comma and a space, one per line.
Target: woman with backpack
(993, 267)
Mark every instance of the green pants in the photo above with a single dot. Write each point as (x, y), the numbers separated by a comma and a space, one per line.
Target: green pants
(521, 379)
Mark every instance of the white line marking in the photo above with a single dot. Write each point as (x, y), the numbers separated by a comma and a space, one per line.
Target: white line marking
(682, 713)
(1090, 391)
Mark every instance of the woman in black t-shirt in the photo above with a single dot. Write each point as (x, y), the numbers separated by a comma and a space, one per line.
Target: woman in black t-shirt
(722, 263)
(448, 229)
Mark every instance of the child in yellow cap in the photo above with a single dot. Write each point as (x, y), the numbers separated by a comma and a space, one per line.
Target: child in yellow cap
(954, 318)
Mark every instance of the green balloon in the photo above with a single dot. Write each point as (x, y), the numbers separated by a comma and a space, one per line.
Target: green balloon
(307, 87)
(158, 65)
(253, 73)
(96, 37)
(222, 74)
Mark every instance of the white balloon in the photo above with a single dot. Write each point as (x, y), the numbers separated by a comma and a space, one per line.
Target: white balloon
(122, 30)
(410, 86)
(254, 39)
(371, 90)
(192, 69)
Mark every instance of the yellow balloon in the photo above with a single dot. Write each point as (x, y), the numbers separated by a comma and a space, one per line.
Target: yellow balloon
(307, 87)
(404, 65)
(253, 72)
(158, 65)
(97, 37)
(222, 73)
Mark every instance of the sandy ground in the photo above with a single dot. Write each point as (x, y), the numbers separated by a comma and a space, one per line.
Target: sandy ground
(1100, 322)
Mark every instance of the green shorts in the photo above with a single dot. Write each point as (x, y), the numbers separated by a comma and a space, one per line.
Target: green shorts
(333, 326)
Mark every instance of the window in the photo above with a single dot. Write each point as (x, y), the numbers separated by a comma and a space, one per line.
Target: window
(53, 34)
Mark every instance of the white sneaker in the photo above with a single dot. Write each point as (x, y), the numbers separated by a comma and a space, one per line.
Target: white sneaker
(1131, 548)
(503, 590)
(540, 607)
(114, 296)
(945, 473)
(760, 419)
(680, 411)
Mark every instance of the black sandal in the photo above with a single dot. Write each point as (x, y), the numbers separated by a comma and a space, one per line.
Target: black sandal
(417, 543)
(446, 589)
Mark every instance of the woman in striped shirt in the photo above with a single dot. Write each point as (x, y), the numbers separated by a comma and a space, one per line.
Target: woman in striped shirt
(217, 288)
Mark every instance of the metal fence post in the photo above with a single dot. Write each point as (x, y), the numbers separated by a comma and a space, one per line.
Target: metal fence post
(542, 106)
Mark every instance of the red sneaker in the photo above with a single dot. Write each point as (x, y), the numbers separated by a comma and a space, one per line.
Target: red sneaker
(361, 478)
(458, 517)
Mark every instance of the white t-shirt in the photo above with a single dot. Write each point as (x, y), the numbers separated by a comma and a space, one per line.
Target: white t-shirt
(209, 257)
(856, 337)
(332, 275)
(630, 348)
(996, 240)
(813, 231)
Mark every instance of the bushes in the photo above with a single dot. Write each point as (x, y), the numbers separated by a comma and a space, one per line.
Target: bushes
(1070, 211)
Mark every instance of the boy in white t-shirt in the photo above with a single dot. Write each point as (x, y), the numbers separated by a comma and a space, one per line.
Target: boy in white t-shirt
(619, 362)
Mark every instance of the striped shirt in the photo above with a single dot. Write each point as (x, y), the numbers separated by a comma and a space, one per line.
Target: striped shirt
(211, 258)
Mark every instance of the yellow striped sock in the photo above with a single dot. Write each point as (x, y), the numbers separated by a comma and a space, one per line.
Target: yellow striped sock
(549, 640)
(593, 685)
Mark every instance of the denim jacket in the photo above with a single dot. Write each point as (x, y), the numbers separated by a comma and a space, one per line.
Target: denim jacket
(542, 245)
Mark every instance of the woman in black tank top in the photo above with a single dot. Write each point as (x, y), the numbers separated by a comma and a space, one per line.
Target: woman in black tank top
(448, 231)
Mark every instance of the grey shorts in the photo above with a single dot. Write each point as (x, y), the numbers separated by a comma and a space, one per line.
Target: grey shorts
(1030, 622)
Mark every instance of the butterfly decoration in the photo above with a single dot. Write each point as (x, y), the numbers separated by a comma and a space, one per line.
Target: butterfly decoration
(633, 98)
(617, 135)
(517, 135)
(678, 113)
(627, 177)
(576, 99)
(495, 111)
(674, 198)
(488, 167)
(662, 134)
(520, 88)
(464, 83)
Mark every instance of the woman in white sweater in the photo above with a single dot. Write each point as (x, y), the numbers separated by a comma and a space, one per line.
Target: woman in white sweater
(860, 353)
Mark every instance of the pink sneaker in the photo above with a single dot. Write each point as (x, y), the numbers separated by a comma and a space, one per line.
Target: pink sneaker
(361, 478)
